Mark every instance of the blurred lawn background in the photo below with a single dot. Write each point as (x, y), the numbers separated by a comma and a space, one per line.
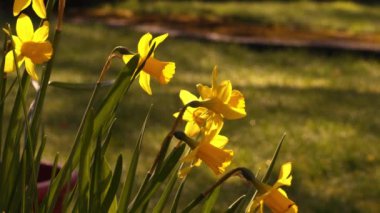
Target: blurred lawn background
(326, 101)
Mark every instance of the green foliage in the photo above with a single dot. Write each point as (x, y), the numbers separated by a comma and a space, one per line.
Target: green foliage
(86, 182)
(287, 80)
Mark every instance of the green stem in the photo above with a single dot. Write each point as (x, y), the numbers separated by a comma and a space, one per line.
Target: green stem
(165, 145)
(39, 101)
(3, 80)
(245, 173)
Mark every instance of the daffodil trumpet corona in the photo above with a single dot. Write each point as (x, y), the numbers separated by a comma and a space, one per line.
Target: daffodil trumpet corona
(149, 66)
(209, 149)
(274, 197)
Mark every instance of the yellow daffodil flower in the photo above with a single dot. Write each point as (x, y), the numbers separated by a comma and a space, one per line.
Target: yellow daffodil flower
(162, 71)
(198, 118)
(218, 102)
(209, 150)
(31, 46)
(37, 5)
(274, 197)
(222, 99)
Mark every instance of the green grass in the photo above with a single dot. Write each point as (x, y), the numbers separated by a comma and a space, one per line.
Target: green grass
(349, 17)
(326, 102)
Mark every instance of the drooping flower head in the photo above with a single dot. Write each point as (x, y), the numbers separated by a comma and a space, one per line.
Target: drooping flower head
(209, 150)
(216, 103)
(31, 46)
(274, 197)
(162, 71)
(200, 118)
(37, 5)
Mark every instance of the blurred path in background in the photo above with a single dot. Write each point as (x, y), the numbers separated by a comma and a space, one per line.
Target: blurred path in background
(231, 31)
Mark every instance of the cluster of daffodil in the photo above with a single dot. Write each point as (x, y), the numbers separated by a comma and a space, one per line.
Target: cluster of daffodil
(97, 184)
(205, 117)
(205, 121)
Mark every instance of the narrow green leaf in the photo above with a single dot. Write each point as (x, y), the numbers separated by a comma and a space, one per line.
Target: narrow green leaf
(65, 173)
(273, 161)
(55, 167)
(23, 187)
(41, 94)
(178, 195)
(111, 193)
(167, 191)
(243, 204)
(84, 165)
(119, 88)
(12, 140)
(158, 178)
(105, 177)
(95, 192)
(129, 181)
(211, 200)
(68, 203)
(3, 82)
(49, 9)
(108, 137)
(73, 159)
(41, 149)
(170, 162)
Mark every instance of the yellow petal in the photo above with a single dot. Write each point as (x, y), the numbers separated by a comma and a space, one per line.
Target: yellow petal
(162, 71)
(144, 81)
(9, 65)
(191, 129)
(216, 122)
(126, 58)
(30, 68)
(24, 28)
(17, 43)
(39, 7)
(227, 111)
(223, 91)
(20, 5)
(216, 159)
(204, 91)
(188, 115)
(187, 97)
(219, 141)
(41, 33)
(38, 52)
(284, 177)
(214, 76)
(143, 46)
(282, 192)
(237, 100)
(159, 39)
